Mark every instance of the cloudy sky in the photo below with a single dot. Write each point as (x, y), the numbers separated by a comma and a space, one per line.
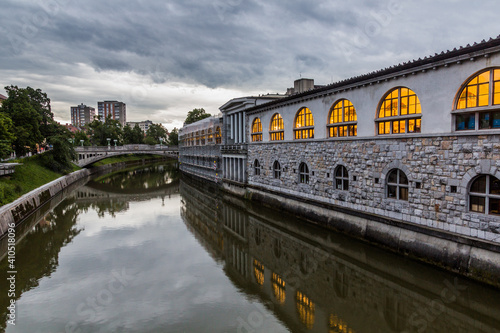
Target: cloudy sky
(166, 57)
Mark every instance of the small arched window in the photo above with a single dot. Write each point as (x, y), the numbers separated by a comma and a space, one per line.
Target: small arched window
(276, 130)
(342, 120)
(399, 112)
(256, 167)
(256, 130)
(341, 178)
(397, 185)
(484, 195)
(276, 170)
(304, 124)
(218, 135)
(303, 173)
(481, 95)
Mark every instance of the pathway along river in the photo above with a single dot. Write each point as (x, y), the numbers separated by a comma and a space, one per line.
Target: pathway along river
(139, 250)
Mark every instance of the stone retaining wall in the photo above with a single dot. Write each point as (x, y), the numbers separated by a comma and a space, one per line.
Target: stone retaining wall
(439, 169)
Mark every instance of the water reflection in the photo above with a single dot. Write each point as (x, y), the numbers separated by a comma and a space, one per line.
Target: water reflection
(42, 236)
(318, 281)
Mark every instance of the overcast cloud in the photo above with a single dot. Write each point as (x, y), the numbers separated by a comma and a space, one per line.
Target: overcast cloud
(164, 58)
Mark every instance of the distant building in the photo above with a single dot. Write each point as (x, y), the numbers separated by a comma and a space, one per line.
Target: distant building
(117, 111)
(71, 128)
(82, 115)
(2, 98)
(143, 125)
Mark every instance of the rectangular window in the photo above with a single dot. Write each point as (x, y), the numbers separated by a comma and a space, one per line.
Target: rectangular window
(465, 122)
(391, 191)
(494, 206)
(477, 204)
(403, 193)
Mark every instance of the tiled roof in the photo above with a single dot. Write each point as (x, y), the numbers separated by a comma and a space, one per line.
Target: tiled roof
(2, 96)
(402, 67)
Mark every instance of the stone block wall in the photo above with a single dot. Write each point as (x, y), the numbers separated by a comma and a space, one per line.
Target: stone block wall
(439, 170)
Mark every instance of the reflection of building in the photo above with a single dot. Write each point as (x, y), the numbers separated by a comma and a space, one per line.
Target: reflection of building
(413, 148)
(114, 109)
(314, 280)
(82, 115)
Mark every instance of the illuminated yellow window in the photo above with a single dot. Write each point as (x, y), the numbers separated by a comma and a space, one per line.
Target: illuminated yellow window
(279, 288)
(342, 120)
(258, 270)
(210, 136)
(276, 130)
(305, 308)
(400, 112)
(337, 325)
(256, 130)
(304, 124)
(218, 135)
(481, 91)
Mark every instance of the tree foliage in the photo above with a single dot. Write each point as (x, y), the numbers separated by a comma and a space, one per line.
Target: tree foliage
(133, 135)
(173, 137)
(7, 136)
(154, 133)
(101, 131)
(195, 115)
(81, 135)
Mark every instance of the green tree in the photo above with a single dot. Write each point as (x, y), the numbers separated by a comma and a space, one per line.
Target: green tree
(154, 133)
(173, 137)
(195, 115)
(7, 136)
(60, 156)
(133, 136)
(101, 131)
(81, 135)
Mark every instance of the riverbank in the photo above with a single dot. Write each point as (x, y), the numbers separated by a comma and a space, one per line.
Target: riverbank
(15, 212)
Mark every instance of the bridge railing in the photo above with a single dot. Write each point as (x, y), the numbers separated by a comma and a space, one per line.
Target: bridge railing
(131, 147)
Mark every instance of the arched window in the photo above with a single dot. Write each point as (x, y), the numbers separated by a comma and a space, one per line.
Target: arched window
(484, 195)
(303, 173)
(304, 124)
(276, 170)
(276, 130)
(342, 120)
(399, 112)
(256, 167)
(256, 130)
(397, 185)
(218, 135)
(479, 94)
(210, 136)
(341, 178)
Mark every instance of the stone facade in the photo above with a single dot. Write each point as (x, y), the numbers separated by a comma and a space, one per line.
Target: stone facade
(439, 170)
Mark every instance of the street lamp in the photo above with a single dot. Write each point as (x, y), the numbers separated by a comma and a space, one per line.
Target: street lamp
(81, 142)
(109, 139)
(115, 141)
(161, 139)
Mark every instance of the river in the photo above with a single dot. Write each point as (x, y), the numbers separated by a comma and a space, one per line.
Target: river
(144, 250)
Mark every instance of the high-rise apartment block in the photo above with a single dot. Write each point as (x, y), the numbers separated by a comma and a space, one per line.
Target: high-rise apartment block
(82, 115)
(116, 110)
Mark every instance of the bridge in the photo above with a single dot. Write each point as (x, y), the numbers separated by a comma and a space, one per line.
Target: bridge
(87, 155)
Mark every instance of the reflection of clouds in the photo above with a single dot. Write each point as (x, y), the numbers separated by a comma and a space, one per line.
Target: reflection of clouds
(176, 285)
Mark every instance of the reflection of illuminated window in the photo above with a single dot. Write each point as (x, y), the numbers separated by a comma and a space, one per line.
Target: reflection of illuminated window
(276, 131)
(484, 195)
(256, 130)
(342, 120)
(258, 270)
(482, 91)
(304, 124)
(400, 112)
(337, 325)
(279, 288)
(305, 308)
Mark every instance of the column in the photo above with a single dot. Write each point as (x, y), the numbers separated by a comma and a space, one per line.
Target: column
(244, 128)
(232, 126)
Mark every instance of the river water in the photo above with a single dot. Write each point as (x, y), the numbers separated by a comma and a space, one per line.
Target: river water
(140, 250)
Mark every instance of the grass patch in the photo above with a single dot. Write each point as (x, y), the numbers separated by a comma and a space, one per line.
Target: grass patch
(125, 158)
(27, 177)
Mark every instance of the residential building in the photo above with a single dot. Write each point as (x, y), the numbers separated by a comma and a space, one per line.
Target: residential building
(2, 98)
(114, 109)
(82, 115)
(143, 125)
